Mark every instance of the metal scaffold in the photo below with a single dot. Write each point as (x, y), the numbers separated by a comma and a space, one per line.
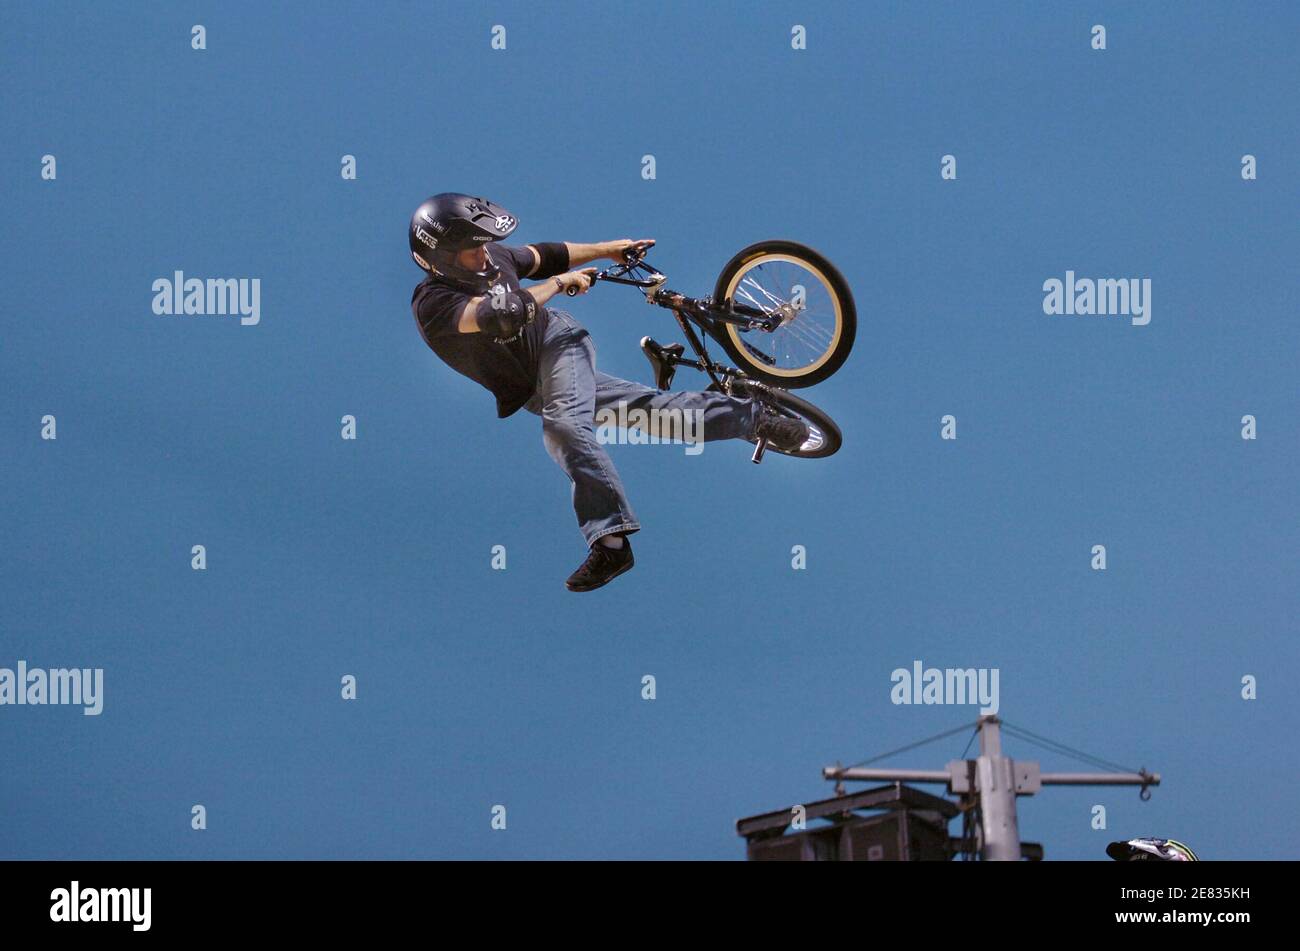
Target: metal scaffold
(986, 788)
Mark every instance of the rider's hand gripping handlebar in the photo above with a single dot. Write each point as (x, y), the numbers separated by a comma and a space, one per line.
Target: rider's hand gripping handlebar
(573, 291)
(632, 257)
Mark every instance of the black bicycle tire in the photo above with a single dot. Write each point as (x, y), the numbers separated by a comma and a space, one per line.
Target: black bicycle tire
(801, 407)
(848, 313)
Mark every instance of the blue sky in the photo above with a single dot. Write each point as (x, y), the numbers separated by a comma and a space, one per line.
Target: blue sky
(371, 558)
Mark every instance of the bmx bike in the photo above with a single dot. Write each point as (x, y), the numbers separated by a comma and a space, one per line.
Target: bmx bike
(779, 309)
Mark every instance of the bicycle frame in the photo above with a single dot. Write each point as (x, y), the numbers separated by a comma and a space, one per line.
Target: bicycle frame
(707, 314)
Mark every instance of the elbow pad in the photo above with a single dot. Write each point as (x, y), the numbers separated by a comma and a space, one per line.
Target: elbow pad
(504, 314)
(553, 259)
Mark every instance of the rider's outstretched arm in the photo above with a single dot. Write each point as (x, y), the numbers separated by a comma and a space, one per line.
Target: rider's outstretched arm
(582, 253)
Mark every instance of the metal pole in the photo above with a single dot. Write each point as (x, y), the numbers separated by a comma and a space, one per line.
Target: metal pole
(887, 775)
(994, 780)
(1100, 779)
(997, 792)
(858, 774)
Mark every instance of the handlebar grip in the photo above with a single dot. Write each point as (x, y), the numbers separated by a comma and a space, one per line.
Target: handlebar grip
(573, 291)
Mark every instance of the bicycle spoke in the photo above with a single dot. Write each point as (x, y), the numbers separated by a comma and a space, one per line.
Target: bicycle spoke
(796, 332)
(763, 290)
(810, 334)
(813, 329)
(753, 300)
(801, 334)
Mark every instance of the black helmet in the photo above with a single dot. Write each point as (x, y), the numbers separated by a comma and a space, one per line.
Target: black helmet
(449, 223)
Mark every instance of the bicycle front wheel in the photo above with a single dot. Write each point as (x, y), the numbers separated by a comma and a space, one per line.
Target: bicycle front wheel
(819, 320)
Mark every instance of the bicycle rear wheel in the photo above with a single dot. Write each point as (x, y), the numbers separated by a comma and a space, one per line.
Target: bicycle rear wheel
(820, 322)
(824, 438)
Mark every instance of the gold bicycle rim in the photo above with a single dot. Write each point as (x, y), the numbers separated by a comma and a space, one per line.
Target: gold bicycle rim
(835, 300)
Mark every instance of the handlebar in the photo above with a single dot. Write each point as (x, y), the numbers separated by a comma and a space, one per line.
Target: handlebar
(633, 260)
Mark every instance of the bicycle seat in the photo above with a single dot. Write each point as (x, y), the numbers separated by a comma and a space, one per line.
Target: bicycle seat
(663, 360)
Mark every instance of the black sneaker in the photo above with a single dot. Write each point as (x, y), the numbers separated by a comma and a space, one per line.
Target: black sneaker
(602, 566)
(786, 433)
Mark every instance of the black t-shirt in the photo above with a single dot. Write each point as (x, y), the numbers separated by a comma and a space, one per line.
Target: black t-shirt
(509, 370)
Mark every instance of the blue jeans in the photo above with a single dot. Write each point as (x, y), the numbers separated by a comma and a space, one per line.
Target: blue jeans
(571, 391)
